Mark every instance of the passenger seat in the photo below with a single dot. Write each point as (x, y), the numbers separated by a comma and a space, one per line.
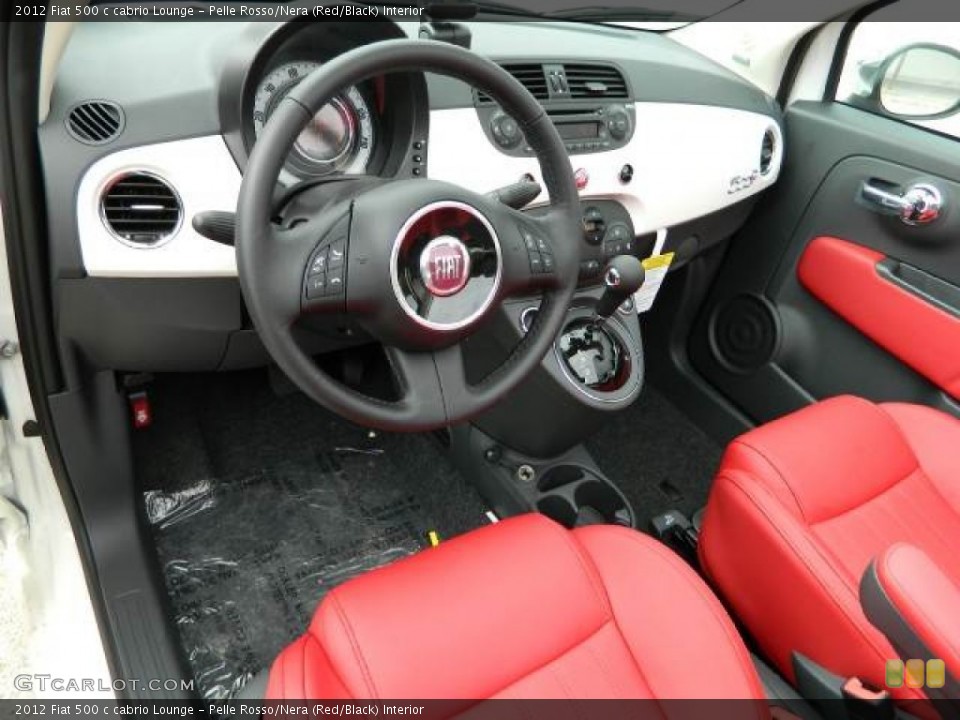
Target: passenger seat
(800, 509)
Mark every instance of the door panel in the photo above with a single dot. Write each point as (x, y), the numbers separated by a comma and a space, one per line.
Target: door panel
(841, 333)
(884, 300)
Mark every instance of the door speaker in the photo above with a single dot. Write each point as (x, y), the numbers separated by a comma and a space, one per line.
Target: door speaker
(744, 332)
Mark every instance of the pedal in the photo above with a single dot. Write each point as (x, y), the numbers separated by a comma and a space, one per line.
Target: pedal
(675, 530)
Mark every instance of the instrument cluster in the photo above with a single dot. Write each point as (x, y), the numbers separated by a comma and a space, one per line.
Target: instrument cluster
(340, 138)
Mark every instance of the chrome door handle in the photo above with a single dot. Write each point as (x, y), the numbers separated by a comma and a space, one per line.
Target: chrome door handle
(919, 205)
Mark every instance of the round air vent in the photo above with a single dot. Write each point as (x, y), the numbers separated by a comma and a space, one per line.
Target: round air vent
(141, 209)
(95, 122)
(767, 148)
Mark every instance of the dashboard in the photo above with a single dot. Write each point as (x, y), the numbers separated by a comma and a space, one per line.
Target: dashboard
(669, 150)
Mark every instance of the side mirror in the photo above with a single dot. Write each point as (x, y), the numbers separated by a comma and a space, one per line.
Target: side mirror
(918, 82)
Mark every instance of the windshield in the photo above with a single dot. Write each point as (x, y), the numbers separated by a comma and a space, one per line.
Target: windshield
(658, 15)
(647, 14)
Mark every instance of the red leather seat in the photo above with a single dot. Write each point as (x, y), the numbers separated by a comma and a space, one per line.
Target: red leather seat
(802, 505)
(522, 609)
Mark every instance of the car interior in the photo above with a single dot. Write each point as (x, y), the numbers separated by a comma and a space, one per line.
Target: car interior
(549, 353)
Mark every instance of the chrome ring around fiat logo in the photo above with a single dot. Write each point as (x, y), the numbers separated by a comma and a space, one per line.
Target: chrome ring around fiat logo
(494, 285)
(445, 266)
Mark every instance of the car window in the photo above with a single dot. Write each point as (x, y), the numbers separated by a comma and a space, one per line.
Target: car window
(907, 71)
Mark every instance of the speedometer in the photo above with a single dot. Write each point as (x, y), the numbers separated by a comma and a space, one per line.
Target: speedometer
(339, 138)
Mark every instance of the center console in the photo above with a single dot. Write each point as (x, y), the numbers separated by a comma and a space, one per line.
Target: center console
(526, 453)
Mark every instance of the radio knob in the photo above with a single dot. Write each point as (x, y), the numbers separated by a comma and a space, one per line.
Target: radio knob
(505, 131)
(618, 124)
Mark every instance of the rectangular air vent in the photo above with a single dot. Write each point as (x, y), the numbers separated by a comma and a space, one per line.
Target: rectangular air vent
(530, 76)
(595, 81)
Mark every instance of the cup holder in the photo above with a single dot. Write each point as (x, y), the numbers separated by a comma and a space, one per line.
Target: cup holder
(575, 496)
(559, 476)
(558, 508)
(599, 500)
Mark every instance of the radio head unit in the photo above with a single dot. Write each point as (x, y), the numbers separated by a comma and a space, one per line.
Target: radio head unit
(588, 103)
(583, 129)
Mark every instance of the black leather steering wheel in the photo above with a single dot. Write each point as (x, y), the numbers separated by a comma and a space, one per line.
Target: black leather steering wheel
(419, 263)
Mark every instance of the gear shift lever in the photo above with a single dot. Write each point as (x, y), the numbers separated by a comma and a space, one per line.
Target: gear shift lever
(622, 277)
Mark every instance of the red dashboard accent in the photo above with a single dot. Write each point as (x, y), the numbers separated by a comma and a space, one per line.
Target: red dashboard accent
(844, 276)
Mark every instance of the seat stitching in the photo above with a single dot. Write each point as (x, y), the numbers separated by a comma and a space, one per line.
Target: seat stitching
(598, 659)
(586, 565)
(546, 663)
(801, 555)
(336, 673)
(334, 597)
(776, 469)
(711, 603)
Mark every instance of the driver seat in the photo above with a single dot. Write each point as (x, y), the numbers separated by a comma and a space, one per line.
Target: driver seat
(522, 609)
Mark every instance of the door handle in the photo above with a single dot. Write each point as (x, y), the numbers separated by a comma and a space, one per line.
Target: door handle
(920, 204)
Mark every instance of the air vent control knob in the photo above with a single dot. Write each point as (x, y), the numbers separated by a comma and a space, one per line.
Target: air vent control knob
(618, 122)
(505, 131)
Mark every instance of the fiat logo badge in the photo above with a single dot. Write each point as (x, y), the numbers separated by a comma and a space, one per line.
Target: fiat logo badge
(581, 178)
(445, 266)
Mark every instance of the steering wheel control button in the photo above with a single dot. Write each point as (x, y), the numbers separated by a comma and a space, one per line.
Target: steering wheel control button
(445, 266)
(536, 263)
(529, 241)
(316, 285)
(538, 252)
(319, 263)
(338, 251)
(334, 284)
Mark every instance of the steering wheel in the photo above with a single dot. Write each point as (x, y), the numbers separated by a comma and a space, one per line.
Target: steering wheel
(421, 264)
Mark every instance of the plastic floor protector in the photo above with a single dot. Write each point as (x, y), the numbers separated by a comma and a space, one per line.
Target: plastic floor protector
(265, 528)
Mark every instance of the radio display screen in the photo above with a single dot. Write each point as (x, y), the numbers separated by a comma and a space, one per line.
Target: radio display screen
(579, 131)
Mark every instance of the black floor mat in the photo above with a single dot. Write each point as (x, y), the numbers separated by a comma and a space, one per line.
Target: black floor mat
(657, 456)
(261, 504)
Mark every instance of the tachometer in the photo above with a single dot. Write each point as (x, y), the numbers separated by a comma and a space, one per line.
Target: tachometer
(339, 138)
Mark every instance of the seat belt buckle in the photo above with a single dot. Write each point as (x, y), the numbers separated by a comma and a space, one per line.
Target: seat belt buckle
(867, 703)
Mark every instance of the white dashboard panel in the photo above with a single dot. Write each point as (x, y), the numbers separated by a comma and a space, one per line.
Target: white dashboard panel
(205, 175)
(688, 161)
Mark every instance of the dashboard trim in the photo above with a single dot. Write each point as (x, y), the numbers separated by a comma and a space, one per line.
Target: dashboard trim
(684, 157)
(204, 175)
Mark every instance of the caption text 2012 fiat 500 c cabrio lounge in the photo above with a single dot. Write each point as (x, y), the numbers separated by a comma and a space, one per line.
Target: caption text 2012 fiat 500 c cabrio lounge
(366, 359)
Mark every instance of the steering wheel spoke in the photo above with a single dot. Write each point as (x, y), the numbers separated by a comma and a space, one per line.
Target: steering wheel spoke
(417, 380)
(530, 262)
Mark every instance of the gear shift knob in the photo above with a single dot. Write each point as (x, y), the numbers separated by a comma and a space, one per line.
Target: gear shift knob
(622, 277)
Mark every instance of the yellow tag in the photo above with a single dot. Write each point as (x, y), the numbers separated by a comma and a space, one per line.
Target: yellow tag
(433, 538)
(658, 261)
(655, 269)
